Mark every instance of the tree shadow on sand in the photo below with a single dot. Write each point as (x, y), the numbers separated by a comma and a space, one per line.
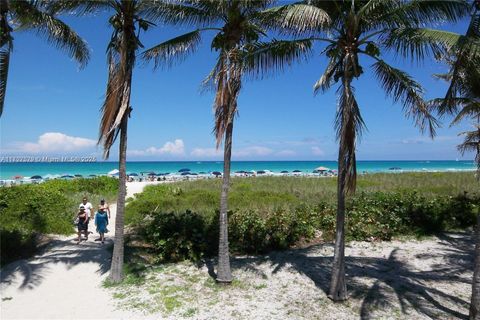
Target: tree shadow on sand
(32, 272)
(396, 283)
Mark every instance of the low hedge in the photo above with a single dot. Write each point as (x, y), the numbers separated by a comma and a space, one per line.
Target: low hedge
(183, 224)
(47, 208)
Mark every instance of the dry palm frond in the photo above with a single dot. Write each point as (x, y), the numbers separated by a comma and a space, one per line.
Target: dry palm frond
(110, 108)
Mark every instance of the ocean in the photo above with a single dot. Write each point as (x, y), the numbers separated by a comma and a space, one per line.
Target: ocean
(28, 169)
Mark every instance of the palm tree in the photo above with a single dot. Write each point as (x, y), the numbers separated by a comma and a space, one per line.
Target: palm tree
(367, 29)
(462, 100)
(29, 15)
(126, 23)
(238, 25)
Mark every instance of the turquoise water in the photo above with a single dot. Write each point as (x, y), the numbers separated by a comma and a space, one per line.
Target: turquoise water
(8, 170)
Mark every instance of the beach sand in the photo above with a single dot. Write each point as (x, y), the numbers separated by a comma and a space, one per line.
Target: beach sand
(387, 280)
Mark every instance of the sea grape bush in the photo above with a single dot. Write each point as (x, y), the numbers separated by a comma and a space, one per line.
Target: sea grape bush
(27, 211)
(182, 224)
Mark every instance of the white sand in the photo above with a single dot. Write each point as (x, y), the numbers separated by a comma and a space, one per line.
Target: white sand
(65, 281)
(389, 280)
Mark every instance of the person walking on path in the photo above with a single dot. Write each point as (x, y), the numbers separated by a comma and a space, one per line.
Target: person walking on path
(82, 224)
(106, 207)
(101, 222)
(88, 208)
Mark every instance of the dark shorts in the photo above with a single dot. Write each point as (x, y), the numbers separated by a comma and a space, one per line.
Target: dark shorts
(82, 225)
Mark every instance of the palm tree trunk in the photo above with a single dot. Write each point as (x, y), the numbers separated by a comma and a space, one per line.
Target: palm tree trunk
(127, 61)
(475, 302)
(338, 288)
(116, 271)
(224, 274)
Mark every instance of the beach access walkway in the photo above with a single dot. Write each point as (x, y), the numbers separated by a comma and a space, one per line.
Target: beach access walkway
(65, 280)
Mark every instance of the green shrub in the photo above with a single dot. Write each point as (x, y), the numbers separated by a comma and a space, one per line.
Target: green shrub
(46, 208)
(180, 221)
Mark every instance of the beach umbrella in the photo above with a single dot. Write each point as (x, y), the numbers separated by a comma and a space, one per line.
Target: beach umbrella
(321, 169)
(202, 172)
(261, 172)
(67, 176)
(216, 173)
(193, 174)
(17, 177)
(36, 177)
(186, 173)
(78, 176)
(184, 170)
(92, 175)
(297, 171)
(151, 174)
(113, 172)
(284, 171)
(133, 174)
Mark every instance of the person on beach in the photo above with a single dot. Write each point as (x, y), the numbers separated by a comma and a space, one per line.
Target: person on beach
(82, 224)
(88, 208)
(101, 222)
(106, 207)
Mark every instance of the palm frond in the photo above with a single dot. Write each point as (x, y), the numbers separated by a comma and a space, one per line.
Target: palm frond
(294, 18)
(428, 12)
(349, 125)
(76, 7)
(4, 64)
(173, 50)
(328, 77)
(228, 81)
(192, 13)
(209, 83)
(263, 58)
(401, 87)
(470, 108)
(471, 143)
(110, 107)
(417, 43)
(54, 30)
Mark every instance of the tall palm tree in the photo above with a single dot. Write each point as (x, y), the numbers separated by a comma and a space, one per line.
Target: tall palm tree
(20, 15)
(238, 25)
(126, 23)
(462, 100)
(368, 29)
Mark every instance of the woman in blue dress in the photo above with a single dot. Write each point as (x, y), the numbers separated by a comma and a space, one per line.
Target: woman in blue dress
(101, 222)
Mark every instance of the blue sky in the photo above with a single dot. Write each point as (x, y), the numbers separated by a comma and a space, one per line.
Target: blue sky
(52, 107)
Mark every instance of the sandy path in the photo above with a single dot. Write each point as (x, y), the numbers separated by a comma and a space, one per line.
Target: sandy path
(65, 281)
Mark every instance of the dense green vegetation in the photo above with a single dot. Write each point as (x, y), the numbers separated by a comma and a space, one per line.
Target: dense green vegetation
(27, 211)
(180, 220)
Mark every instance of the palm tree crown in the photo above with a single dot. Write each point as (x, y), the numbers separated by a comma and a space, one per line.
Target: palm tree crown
(368, 29)
(239, 27)
(23, 15)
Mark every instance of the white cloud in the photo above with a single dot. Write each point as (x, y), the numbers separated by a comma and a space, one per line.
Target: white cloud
(252, 151)
(54, 142)
(286, 153)
(176, 148)
(206, 152)
(317, 151)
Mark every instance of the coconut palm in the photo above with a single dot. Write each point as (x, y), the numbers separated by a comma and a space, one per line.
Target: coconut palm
(367, 30)
(462, 100)
(238, 27)
(22, 15)
(126, 23)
